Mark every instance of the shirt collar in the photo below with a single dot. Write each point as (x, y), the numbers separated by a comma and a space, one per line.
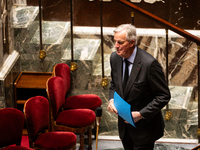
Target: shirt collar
(132, 57)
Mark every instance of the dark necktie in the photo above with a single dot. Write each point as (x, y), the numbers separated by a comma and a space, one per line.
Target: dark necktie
(126, 74)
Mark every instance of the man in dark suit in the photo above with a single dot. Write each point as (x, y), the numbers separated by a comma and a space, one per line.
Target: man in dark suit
(146, 90)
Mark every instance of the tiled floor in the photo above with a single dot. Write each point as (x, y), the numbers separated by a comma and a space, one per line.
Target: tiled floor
(113, 143)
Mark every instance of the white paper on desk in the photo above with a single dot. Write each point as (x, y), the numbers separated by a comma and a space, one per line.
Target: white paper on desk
(123, 108)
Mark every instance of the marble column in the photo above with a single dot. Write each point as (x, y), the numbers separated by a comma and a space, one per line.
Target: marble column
(1, 44)
(8, 74)
(9, 64)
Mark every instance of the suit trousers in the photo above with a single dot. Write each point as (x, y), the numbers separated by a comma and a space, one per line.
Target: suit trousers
(129, 144)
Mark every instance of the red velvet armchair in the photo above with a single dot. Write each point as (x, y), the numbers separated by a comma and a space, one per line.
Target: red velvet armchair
(89, 101)
(78, 121)
(36, 112)
(11, 127)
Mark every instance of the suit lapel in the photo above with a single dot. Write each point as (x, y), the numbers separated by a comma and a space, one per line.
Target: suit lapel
(134, 72)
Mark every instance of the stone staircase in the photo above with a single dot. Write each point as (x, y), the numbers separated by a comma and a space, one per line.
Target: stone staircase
(55, 38)
(87, 53)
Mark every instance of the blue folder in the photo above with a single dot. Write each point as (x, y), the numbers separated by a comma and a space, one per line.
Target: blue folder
(123, 108)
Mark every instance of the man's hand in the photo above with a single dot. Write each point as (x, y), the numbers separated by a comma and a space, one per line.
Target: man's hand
(136, 116)
(111, 108)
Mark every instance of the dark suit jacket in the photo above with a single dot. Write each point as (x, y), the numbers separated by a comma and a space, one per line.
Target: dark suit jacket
(146, 92)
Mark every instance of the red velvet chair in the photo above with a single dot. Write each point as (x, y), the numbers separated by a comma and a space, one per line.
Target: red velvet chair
(11, 127)
(78, 121)
(89, 101)
(36, 111)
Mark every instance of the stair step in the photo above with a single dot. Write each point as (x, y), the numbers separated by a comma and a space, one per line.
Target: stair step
(192, 113)
(53, 32)
(24, 16)
(19, 2)
(178, 105)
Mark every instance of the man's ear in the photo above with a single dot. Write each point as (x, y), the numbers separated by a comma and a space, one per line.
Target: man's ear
(132, 43)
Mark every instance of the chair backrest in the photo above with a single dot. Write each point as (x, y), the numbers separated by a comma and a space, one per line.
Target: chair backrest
(36, 111)
(56, 94)
(63, 70)
(11, 126)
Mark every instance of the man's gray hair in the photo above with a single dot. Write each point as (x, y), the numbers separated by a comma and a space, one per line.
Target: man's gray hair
(130, 31)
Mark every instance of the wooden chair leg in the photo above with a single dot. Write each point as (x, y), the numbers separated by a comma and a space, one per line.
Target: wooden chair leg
(81, 142)
(95, 129)
(90, 139)
(74, 147)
